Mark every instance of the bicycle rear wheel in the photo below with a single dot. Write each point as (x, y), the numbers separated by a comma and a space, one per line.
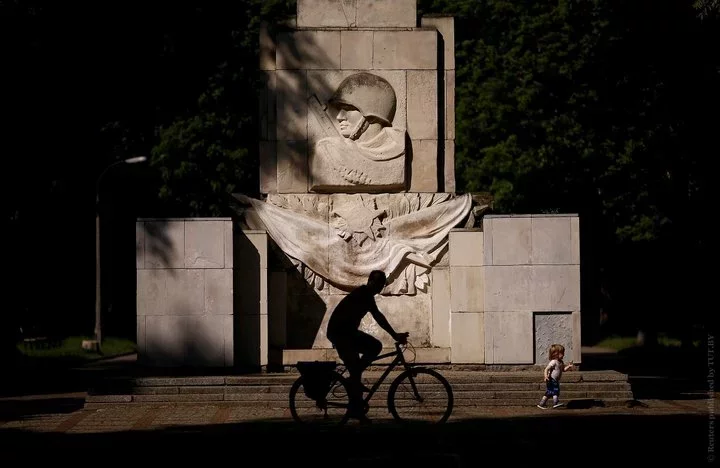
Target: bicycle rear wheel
(420, 395)
(332, 410)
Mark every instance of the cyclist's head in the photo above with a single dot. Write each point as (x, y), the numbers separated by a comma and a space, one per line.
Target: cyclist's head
(376, 281)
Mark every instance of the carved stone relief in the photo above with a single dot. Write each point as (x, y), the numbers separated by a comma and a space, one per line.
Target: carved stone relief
(340, 238)
(360, 149)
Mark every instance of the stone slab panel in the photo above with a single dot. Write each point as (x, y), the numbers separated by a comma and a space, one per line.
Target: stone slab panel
(384, 14)
(292, 167)
(316, 314)
(450, 166)
(291, 105)
(422, 104)
(139, 245)
(487, 225)
(277, 308)
(551, 240)
(532, 288)
(229, 340)
(250, 273)
(251, 296)
(140, 337)
(405, 313)
(440, 289)
(555, 288)
(446, 27)
(468, 338)
(575, 240)
(205, 341)
(204, 244)
(259, 241)
(219, 291)
(424, 176)
(508, 288)
(252, 342)
(267, 48)
(432, 355)
(512, 240)
(293, 356)
(405, 50)
(268, 106)
(228, 240)
(306, 320)
(450, 104)
(165, 340)
(551, 328)
(170, 292)
(268, 167)
(164, 244)
(466, 247)
(326, 13)
(308, 50)
(509, 338)
(356, 50)
(467, 291)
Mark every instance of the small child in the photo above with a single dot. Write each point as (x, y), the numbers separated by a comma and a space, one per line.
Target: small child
(552, 374)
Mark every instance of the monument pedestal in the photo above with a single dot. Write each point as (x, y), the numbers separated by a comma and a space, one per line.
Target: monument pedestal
(356, 146)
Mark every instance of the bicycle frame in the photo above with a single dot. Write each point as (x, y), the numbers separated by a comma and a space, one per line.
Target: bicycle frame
(399, 359)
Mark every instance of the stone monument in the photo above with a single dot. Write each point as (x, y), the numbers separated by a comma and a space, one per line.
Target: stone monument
(357, 174)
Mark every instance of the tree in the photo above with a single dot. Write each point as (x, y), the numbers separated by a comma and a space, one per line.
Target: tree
(210, 151)
(707, 8)
(591, 107)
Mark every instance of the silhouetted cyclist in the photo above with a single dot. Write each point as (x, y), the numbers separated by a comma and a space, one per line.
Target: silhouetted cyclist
(355, 348)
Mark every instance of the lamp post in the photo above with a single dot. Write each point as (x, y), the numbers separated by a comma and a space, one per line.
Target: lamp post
(98, 298)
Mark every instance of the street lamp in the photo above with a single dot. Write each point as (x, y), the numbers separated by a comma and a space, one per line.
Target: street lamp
(98, 328)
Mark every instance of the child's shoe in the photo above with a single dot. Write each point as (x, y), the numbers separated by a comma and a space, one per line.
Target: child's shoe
(558, 405)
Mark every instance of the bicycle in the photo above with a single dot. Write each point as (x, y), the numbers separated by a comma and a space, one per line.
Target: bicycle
(326, 388)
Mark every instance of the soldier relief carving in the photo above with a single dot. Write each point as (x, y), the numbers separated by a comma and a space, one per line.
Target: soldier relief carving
(354, 223)
(359, 149)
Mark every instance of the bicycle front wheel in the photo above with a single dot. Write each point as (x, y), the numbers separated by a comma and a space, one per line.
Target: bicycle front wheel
(331, 410)
(420, 395)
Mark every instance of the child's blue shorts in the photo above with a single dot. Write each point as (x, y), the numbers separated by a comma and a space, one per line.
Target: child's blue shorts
(553, 388)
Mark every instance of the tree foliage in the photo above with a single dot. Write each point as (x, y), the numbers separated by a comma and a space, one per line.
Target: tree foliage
(210, 151)
(595, 107)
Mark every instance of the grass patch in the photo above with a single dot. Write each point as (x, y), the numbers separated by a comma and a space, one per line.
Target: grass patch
(620, 343)
(70, 349)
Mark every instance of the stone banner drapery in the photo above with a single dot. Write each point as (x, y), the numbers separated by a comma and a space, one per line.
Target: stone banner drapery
(400, 234)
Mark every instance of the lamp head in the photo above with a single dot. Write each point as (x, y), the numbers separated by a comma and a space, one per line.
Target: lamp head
(136, 159)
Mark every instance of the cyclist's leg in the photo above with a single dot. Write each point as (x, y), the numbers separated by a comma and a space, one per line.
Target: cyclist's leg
(369, 346)
(349, 355)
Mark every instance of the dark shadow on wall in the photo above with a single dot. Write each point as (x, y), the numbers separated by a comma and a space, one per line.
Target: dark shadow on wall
(290, 97)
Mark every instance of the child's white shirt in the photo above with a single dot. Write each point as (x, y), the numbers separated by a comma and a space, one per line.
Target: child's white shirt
(556, 368)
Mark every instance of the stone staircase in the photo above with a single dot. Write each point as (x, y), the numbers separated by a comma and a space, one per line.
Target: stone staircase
(470, 388)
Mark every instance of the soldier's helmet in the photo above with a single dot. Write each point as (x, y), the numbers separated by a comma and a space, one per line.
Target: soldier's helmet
(370, 94)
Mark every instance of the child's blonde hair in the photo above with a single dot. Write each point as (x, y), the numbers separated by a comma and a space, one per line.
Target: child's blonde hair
(555, 350)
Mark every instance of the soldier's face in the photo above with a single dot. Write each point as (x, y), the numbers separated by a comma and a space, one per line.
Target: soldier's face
(348, 118)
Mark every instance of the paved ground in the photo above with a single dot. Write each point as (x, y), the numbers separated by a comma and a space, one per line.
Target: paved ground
(56, 426)
(53, 426)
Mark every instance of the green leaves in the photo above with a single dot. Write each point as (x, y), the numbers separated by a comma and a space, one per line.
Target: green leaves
(563, 107)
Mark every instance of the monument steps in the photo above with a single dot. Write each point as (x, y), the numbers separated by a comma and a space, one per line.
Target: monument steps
(272, 390)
